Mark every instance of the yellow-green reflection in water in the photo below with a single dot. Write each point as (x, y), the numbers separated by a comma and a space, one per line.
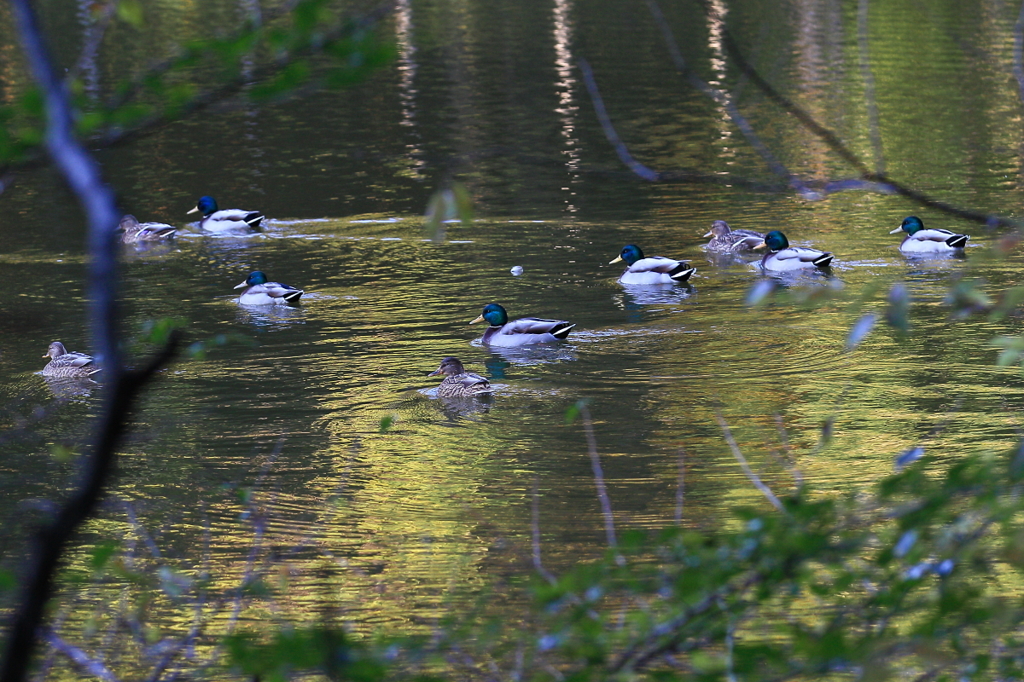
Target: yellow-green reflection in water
(394, 524)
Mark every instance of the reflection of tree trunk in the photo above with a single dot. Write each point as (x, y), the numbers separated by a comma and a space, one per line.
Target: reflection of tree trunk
(819, 28)
(567, 107)
(251, 9)
(91, 33)
(716, 24)
(11, 67)
(457, 60)
(407, 93)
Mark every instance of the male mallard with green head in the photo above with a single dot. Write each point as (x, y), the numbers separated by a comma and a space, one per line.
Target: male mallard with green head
(262, 292)
(652, 269)
(522, 332)
(225, 220)
(931, 240)
(782, 257)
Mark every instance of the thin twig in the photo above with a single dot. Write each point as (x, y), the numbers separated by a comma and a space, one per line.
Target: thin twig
(535, 525)
(82, 174)
(609, 130)
(602, 491)
(82, 660)
(758, 483)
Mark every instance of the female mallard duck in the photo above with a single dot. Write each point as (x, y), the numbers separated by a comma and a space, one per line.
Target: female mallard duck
(457, 381)
(921, 240)
(133, 232)
(227, 220)
(782, 256)
(262, 292)
(68, 364)
(651, 270)
(724, 239)
(522, 332)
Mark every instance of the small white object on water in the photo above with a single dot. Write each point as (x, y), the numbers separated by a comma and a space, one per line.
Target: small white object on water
(517, 270)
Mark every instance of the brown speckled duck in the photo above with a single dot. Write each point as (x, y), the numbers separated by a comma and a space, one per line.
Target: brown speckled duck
(68, 364)
(724, 239)
(457, 381)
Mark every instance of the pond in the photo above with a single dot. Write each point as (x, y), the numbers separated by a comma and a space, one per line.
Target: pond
(326, 409)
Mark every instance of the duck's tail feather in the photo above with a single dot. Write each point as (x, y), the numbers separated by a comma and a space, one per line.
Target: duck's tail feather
(682, 273)
(824, 260)
(562, 330)
(957, 241)
(253, 219)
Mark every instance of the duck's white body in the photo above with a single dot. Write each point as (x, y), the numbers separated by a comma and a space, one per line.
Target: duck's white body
(261, 292)
(795, 258)
(526, 331)
(271, 293)
(656, 270)
(231, 220)
(932, 240)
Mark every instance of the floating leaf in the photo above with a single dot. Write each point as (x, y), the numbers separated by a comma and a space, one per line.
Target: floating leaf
(897, 314)
(761, 290)
(905, 543)
(173, 583)
(101, 554)
(860, 330)
(909, 457)
(130, 12)
(574, 410)
(386, 423)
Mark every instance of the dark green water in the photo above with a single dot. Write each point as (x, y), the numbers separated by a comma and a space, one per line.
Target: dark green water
(489, 93)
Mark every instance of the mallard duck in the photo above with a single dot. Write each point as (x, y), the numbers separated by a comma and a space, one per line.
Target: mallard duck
(262, 292)
(921, 240)
(226, 220)
(133, 232)
(782, 256)
(65, 364)
(457, 381)
(652, 269)
(724, 239)
(522, 332)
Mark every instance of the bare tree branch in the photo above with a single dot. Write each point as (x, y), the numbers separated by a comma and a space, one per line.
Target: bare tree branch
(82, 660)
(758, 483)
(602, 491)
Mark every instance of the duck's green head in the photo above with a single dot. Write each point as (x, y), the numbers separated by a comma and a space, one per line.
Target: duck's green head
(493, 314)
(776, 241)
(910, 225)
(254, 278)
(630, 253)
(205, 205)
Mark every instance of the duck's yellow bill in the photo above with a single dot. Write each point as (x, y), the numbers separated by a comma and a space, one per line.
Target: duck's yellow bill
(760, 246)
(478, 319)
(898, 229)
(242, 284)
(617, 259)
(194, 210)
(709, 234)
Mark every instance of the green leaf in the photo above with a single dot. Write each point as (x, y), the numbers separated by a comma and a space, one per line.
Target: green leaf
(130, 12)
(101, 554)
